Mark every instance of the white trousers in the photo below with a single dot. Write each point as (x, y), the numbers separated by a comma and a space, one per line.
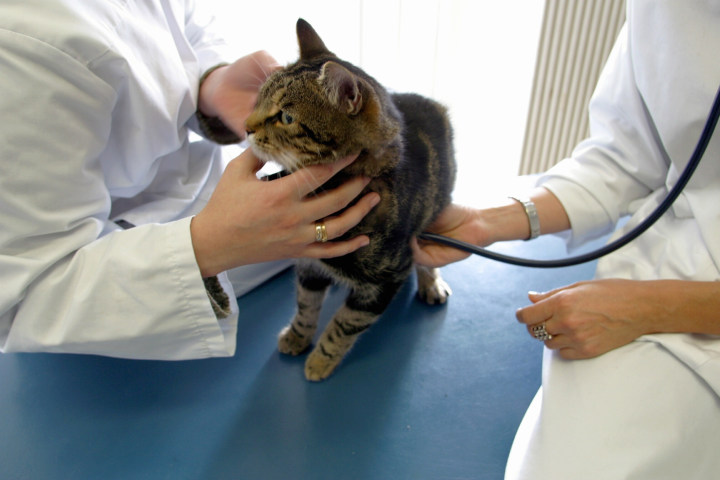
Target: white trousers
(634, 413)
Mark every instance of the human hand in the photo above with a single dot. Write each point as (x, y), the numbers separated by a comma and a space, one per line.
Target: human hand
(230, 92)
(250, 221)
(590, 318)
(456, 221)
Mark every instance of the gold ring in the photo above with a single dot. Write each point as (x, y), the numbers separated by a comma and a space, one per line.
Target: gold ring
(320, 232)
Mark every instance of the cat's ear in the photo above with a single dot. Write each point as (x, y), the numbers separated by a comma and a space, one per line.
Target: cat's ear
(311, 45)
(341, 87)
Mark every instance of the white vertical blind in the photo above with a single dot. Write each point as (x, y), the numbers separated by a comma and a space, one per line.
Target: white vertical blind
(576, 39)
(475, 56)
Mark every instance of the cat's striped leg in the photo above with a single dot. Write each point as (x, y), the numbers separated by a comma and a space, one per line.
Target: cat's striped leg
(296, 337)
(362, 308)
(432, 288)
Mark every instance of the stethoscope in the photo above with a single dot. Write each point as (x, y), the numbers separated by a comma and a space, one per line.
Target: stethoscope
(620, 242)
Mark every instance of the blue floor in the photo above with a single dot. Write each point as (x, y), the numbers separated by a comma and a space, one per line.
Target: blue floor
(430, 392)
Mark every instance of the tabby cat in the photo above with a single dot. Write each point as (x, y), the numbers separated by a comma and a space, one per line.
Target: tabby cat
(318, 110)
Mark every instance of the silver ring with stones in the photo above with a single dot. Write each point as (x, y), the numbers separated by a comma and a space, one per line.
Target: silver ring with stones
(541, 333)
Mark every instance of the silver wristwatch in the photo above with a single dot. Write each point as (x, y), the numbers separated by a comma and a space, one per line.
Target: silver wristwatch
(532, 215)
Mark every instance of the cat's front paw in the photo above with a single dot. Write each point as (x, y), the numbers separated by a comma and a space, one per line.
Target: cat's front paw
(319, 366)
(436, 291)
(291, 343)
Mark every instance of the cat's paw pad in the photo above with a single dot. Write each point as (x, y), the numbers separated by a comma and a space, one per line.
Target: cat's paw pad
(434, 292)
(319, 366)
(291, 343)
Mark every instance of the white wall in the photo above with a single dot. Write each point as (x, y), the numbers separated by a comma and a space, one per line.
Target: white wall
(477, 57)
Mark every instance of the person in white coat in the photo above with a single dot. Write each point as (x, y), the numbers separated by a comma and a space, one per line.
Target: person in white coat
(631, 370)
(117, 230)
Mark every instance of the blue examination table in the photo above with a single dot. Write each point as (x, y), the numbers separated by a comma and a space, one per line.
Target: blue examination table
(430, 392)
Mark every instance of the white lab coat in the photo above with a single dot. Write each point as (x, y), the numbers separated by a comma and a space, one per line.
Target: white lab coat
(648, 410)
(96, 101)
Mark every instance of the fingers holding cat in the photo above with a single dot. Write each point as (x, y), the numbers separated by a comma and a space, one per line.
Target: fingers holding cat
(309, 179)
(250, 221)
(456, 221)
(336, 226)
(322, 206)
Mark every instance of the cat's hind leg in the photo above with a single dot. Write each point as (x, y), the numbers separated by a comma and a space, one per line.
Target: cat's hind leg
(311, 288)
(361, 309)
(432, 288)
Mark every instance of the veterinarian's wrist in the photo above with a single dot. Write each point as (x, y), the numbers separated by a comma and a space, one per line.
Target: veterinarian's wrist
(211, 125)
(505, 222)
(532, 215)
(208, 86)
(205, 248)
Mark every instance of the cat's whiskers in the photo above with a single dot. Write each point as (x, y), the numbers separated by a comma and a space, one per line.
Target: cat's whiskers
(260, 81)
(314, 192)
(296, 167)
(289, 161)
(265, 73)
(297, 184)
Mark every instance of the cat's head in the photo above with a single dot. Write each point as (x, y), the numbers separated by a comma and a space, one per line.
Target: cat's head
(318, 109)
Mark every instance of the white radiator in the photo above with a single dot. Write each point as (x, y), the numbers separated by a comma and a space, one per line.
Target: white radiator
(575, 41)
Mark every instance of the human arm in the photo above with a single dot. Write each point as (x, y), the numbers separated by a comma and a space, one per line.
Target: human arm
(250, 221)
(623, 168)
(69, 282)
(483, 227)
(620, 163)
(590, 318)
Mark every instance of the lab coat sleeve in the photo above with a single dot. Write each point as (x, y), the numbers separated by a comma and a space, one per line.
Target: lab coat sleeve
(136, 293)
(209, 46)
(619, 163)
(212, 52)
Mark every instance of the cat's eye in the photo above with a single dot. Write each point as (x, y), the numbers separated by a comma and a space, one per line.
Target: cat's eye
(286, 119)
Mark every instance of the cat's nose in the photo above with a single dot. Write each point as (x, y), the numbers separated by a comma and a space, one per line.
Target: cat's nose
(251, 124)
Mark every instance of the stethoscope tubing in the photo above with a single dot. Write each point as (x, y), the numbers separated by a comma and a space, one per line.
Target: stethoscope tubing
(620, 242)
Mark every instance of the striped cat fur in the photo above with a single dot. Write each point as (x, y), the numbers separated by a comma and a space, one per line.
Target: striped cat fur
(318, 110)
